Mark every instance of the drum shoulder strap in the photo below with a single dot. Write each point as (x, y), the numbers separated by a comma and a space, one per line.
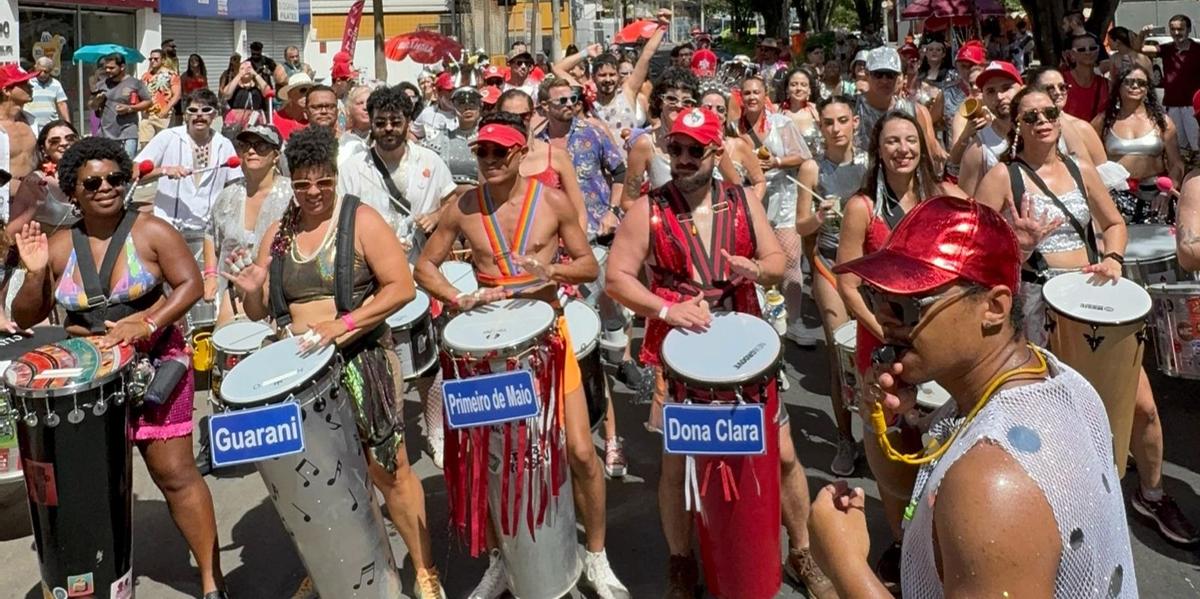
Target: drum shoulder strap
(398, 200)
(343, 276)
(1085, 233)
(96, 284)
(279, 305)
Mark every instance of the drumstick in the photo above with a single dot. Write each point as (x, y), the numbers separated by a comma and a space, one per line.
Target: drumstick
(836, 209)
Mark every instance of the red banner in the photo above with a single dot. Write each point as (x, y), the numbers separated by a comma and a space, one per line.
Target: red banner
(350, 35)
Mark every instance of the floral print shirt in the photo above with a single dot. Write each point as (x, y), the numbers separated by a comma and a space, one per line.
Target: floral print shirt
(595, 156)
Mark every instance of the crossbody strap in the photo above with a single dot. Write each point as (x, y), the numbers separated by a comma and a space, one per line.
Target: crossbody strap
(1088, 238)
(96, 284)
(398, 200)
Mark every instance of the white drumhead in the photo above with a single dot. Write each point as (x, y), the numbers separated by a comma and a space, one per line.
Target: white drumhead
(1149, 242)
(736, 347)
(601, 254)
(272, 371)
(846, 335)
(411, 311)
(584, 324)
(241, 336)
(1075, 295)
(931, 395)
(494, 326)
(461, 275)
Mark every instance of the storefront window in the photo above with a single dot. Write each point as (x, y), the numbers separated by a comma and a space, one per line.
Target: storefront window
(56, 33)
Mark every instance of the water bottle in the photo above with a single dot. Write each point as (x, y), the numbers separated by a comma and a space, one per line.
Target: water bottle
(776, 311)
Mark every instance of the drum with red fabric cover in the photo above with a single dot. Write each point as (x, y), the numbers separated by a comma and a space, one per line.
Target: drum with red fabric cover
(736, 360)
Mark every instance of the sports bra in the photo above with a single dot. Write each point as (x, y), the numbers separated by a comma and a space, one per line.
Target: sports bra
(312, 279)
(137, 281)
(1150, 144)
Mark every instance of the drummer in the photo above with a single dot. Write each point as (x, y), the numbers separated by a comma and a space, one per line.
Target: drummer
(244, 210)
(1188, 221)
(151, 257)
(1018, 495)
(308, 269)
(500, 148)
(1058, 242)
(677, 299)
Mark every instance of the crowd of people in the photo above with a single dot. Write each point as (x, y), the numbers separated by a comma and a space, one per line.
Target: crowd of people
(842, 183)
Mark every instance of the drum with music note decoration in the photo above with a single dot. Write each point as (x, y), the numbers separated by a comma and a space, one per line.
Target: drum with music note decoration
(1099, 329)
(323, 494)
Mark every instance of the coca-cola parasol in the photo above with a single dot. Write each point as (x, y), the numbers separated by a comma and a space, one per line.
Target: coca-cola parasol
(636, 30)
(424, 47)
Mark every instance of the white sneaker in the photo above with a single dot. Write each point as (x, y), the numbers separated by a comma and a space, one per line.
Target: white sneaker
(598, 576)
(844, 460)
(495, 580)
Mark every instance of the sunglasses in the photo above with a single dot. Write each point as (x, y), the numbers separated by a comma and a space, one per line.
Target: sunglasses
(115, 180)
(1031, 117)
(1061, 87)
(491, 152)
(261, 147)
(883, 75)
(908, 310)
(68, 139)
(1135, 83)
(717, 108)
(522, 63)
(673, 100)
(205, 110)
(303, 185)
(565, 101)
(525, 116)
(385, 123)
(1087, 49)
(471, 103)
(676, 149)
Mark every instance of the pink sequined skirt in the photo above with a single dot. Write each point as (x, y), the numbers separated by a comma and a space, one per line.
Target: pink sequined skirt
(173, 418)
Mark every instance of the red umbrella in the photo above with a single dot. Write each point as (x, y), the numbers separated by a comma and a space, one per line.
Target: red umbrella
(425, 47)
(924, 9)
(636, 30)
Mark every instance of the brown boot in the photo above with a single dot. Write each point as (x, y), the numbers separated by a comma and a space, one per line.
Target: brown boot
(802, 568)
(682, 578)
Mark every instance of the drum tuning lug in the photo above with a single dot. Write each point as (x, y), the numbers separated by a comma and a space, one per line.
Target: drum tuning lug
(52, 419)
(75, 416)
(319, 405)
(118, 398)
(31, 419)
(100, 407)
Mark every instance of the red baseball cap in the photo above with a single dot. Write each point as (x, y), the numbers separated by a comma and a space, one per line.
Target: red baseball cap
(342, 70)
(700, 124)
(944, 239)
(998, 68)
(12, 74)
(500, 134)
(444, 81)
(909, 50)
(704, 63)
(490, 94)
(972, 52)
(493, 72)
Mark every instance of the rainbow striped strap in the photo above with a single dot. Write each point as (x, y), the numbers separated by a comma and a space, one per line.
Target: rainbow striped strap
(504, 251)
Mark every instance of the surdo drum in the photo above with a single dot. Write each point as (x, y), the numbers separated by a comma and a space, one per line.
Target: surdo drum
(73, 426)
(323, 494)
(1150, 255)
(232, 343)
(1100, 331)
(735, 361)
(416, 341)
(584, 324)
(1176, 319)
(528, 483)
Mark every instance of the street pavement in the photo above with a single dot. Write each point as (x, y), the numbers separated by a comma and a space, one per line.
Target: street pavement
(260, 561)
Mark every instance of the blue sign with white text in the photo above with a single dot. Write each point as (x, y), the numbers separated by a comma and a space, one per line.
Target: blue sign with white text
(256, 434)
(247, 10)
(737, 429)
(490, 399)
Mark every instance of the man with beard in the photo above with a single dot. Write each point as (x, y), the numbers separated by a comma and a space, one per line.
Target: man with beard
(883, 71)
(616, 102)
(292, 63)
(404, 182)
(1017, 494)
(271, 72)
(119, 98)
(550, 224)
(986, 142)
(644, 240)
(321, 107)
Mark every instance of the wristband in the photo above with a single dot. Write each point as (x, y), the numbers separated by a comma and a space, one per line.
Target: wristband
(210, 271)
(150, 324)
(349, 322)
(662, 312)
(1117, 257)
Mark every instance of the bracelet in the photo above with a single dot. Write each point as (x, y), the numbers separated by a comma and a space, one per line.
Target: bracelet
(1117, 257)
(758, 267)
(210, 271)
(662, 312)
(349, 322)
(150, 324)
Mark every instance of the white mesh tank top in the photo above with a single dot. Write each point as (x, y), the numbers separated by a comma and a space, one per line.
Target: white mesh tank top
(1058, 432)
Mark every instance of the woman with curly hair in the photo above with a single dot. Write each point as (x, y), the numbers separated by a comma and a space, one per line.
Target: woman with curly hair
(139, 310)
(1138, 135)
(304, 270)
